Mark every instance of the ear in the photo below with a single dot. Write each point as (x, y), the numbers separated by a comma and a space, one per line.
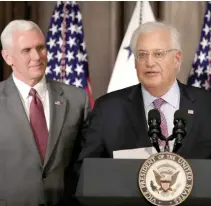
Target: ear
(6, 56)
(178, 58)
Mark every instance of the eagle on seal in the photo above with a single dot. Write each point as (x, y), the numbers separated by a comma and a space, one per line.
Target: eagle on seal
(165, 180)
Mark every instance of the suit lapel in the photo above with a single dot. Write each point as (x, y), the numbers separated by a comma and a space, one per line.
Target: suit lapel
(188, 107)
(11, 100)
(137, 117)
(57, 116)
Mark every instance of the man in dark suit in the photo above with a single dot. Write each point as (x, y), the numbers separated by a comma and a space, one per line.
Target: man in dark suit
(41, 122)
(119, 119)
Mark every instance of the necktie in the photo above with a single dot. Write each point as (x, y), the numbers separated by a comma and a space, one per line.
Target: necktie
(38, 123)
(164, 128)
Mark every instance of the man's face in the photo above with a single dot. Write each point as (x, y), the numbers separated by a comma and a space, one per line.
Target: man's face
(27, 55)
(156, 68)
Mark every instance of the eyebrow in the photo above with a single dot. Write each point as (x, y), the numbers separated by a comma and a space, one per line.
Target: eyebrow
(38, 45)
(150, 49)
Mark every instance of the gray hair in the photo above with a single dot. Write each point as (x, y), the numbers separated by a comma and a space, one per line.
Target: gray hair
(16, 26)
(154, 26)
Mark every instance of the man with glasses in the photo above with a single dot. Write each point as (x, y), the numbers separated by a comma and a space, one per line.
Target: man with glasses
(119, 119)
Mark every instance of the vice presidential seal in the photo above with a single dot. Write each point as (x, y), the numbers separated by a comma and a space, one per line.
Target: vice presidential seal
(165, 179)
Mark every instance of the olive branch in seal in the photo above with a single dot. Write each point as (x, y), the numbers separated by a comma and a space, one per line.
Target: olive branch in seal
(153, 187)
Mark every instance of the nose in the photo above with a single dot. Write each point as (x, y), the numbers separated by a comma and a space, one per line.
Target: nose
(149, 61)
(35, 55)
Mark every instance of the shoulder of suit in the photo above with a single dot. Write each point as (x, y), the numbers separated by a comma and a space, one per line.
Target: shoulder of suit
(2, 85)
(196, 92)
(118, 95)
(195, 89)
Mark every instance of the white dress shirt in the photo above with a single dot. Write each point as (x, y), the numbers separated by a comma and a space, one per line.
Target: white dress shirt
(172, 98)
(42, 92)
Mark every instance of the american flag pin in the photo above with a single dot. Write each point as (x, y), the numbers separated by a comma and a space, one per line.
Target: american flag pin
(57, 102)
(190, 111)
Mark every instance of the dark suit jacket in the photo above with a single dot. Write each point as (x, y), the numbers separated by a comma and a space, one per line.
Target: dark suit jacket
(24, 180)
(119, 122)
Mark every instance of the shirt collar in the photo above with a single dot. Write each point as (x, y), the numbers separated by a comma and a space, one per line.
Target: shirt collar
(41, 87)
(171, 97)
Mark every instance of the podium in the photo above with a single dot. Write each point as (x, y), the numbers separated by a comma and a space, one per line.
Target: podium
(115, 182)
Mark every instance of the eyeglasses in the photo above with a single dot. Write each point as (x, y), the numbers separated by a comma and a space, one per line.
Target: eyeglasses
(157, 54)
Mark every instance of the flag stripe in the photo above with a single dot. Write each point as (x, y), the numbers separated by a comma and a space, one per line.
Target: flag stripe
(89, 91)
(63, 63)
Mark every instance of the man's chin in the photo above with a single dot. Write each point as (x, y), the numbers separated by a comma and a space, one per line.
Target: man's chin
(38, 75)
(151, 84)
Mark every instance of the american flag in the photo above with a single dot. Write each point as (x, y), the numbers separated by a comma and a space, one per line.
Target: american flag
(66, 49)
(201, 67)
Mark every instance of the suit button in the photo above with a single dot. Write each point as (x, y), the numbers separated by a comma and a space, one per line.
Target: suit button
(44, 175)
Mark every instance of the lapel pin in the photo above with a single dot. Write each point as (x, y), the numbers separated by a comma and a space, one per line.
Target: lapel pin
(190, 111)
(57, 102)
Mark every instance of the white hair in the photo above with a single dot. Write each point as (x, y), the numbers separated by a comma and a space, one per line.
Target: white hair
(154, 26)
(16, 26)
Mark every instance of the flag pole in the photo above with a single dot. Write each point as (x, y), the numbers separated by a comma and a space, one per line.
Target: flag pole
(141, 9)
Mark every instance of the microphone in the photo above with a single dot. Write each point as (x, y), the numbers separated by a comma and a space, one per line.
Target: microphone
(179, 130)
(154, 127)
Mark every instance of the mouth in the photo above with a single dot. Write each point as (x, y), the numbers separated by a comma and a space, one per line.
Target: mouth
(151, 73)
(37, 65)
